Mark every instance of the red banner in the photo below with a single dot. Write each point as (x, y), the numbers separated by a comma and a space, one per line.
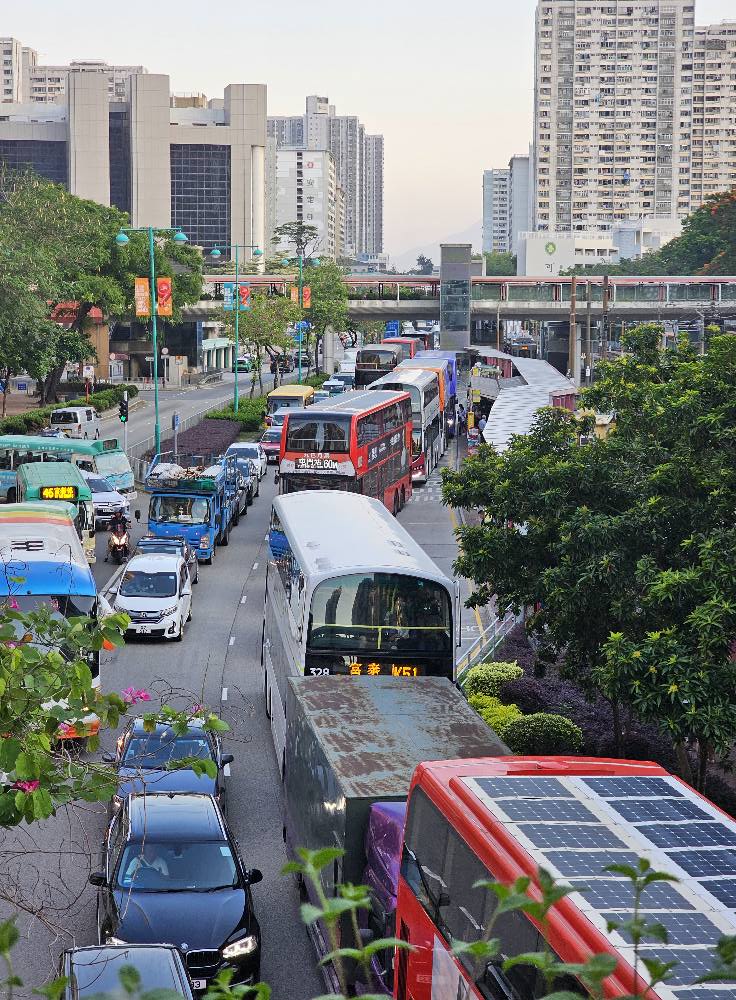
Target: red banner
(164, 298)
(307, 297)
(294, 292)
(243, 296)
(142, 297)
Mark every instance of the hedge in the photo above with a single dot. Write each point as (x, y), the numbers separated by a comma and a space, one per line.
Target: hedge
(251, 410)
(493, 713)
(36, 420)
(487, 678)
(542, 734)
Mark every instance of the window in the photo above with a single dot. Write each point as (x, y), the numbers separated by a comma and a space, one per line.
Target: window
(200, 193)
(369, 428)
(318, 434)
(47, 158)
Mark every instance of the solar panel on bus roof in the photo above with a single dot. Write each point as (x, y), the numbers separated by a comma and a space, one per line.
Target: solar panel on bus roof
(548, 809)
(705, 863)
(682, 928)
(692, 963)
(702, 993)
(524, 788)
(724, 890)
(569, 863)
(617, 894)
(690, 835)
(560, 835)
(627, 787)
(642, 810)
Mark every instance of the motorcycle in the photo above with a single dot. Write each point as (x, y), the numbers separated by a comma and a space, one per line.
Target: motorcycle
(119, 544)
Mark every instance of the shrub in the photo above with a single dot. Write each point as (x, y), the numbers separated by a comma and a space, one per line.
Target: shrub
(250, 413)
(543, 734)
(493, 713)
(487, 678)
(527, 693)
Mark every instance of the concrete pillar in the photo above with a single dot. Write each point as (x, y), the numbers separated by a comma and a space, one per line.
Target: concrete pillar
(455, 270)
(150, 125)
(245, 113)
(258, 200)
(88, 149)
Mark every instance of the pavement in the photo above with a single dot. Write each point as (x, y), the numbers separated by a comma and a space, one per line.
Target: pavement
(218, 663)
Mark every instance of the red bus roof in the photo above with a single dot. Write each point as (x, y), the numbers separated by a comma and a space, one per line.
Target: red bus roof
(353, 402)
(576, 815)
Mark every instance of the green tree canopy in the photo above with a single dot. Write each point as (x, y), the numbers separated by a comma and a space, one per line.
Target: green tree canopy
(498, 263)
(263, 327)
(329, 301)
(624, 548)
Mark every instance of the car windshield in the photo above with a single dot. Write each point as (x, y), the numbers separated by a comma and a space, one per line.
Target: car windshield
(160, 545)
(155, 750)
(100, 486)
(138, 584)
(96, 971)
(180, 510)
(111, 463)
(271, 437)
(250, 451)
(173, 867)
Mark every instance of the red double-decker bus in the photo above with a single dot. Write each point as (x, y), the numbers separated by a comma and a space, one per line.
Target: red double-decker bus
(360, 442)
(500, 818)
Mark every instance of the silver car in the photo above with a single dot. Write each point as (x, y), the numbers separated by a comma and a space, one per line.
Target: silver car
(105, 499)
(253, 451)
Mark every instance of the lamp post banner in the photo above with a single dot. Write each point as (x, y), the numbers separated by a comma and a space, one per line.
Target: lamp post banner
(228, 293)
(243, 297)
(306, 297)
(165, 302)
(294, 293)
(142, 297)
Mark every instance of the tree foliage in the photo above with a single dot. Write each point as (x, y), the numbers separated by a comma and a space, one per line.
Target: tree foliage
(303, 237)
(329, 301)
(624, 548)
(498, 263)
(263, 328)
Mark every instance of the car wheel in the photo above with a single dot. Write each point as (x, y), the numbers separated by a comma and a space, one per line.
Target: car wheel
(225, 538)
(236, 515)
(189, 616)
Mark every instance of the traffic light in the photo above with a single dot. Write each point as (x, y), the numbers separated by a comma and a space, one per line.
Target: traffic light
(123, 411)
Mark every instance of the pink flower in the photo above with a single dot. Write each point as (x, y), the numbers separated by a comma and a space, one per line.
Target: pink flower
(65, 730)
(26, 786)
(13, 604)
(196, 707)
(131, 696)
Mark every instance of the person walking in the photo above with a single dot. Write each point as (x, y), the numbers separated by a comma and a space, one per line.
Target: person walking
(482, 424)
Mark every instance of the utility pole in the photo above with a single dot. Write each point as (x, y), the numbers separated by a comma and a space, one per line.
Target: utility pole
(573, 336)
(498, 325)
(604, 321)
(588, 344)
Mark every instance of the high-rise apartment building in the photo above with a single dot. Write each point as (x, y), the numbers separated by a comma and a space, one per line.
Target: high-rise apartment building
(374, 193)
(519, 199)
(344, 136)
(613, 112)
(49, 83)
(11, 80)
(307, 191)
(201, 169)
(496, 211)
(713, 163)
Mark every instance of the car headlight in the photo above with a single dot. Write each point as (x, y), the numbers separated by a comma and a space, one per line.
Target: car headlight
(204, 542)
(170, 611)
(115, 940)
(117, 801)
(239, 949)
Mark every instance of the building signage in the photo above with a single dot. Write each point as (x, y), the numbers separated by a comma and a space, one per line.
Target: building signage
(142, 297)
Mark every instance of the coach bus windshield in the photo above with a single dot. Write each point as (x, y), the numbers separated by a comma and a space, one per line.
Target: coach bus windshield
(318, 433)
(380, 613)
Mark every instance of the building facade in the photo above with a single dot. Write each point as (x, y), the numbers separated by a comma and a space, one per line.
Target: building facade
(11, 89)
(201, 169)
(713, 165)
(307, 191)
(520, 216)
(613, 112)
(496, 218)
(358, 164)
(49, 83)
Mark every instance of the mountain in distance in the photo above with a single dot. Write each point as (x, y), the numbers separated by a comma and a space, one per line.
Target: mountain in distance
(407, 259)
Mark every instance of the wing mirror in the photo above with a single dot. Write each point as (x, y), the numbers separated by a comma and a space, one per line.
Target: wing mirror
(227, 758)
(254, 875)
(98, 878)
(109, 758)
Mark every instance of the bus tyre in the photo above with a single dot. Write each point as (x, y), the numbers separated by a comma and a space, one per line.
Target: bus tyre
(225, 538)
(12, 494)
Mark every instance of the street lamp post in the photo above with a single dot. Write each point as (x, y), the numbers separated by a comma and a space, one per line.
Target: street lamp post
(122, 240)
(315, 262)
(217, 253)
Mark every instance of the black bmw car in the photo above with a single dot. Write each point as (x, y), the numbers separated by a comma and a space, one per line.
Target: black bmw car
(173, 874)
(144, 761)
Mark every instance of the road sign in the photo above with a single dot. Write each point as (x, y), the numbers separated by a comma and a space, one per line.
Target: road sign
(149, 358)
(164, 351)
(22, 386)
(88, 371)
(174, 421)
(392, 327)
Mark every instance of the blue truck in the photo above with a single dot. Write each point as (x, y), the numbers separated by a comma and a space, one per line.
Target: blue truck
(195, 496)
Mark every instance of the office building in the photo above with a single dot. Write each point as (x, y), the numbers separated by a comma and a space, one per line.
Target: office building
(307, 191)
(374, 193)
(613, 107)
(496, 211)
(202, 169)
(520, 215)
(11, 90)
(713, 163)
(358, 164)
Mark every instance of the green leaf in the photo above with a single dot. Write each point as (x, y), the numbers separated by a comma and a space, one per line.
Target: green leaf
(130, 979)
(8, 936)
(310, 914)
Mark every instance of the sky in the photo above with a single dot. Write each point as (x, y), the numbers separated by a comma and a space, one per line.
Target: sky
(448, 84)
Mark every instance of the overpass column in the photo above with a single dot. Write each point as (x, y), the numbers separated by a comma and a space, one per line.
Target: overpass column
(455, 296)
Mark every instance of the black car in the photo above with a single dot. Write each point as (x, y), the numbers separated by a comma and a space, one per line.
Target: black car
(143, 761)
(95, 971)
(176, 544)
(173, 874)
(251, 484)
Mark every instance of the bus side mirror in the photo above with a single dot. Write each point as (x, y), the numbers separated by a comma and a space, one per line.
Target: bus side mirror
(137, 515)
(276, 478)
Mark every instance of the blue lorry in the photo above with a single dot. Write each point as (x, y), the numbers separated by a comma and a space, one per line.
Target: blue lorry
(195, 496)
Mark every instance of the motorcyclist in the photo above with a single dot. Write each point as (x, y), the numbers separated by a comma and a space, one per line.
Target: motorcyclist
(118, 527)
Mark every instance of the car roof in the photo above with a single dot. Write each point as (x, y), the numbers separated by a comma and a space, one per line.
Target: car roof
(194, 727)
(162, 540)
(155, 562)
(174, 817)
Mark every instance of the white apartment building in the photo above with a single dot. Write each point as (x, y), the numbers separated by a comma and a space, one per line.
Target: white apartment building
(713, 164)
(520, 205)
(11, 78)
(307, 191)
(496, 218)
(358, 162)
(613, 112)
(48, 83)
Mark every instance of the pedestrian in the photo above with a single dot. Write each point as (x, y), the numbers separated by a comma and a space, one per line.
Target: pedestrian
(461, 418)
(482, 424)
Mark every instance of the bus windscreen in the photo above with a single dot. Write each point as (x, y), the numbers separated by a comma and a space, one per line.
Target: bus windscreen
(318, 433)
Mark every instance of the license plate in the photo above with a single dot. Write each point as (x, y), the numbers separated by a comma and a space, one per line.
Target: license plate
(144, 629)
(199, 984)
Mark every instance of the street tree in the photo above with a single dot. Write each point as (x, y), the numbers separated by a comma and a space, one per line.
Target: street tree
(623, 548)
(329, 306)
(300, 237)
(25, 333)
(263, 329)
(424, 265)
(498, 263)
(62, 248)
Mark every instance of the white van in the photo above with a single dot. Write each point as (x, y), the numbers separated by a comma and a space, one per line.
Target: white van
(76, 421)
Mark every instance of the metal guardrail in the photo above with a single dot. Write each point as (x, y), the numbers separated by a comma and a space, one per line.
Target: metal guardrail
(486, 643)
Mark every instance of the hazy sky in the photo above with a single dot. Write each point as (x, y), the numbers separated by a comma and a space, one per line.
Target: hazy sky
(448, 84)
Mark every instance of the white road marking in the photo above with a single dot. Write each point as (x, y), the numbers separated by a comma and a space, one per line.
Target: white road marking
(265, 538)
(243, 599)
(224, 694)
(226, 770)
(232, 640)
(255, 566)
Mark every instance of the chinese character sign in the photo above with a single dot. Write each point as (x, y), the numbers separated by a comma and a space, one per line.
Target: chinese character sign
(307, 297)
(164, 298)
(142, 297)
(294, 293)
(228, 290)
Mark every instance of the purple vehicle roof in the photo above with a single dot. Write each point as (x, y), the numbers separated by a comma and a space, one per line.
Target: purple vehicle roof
(383, 840)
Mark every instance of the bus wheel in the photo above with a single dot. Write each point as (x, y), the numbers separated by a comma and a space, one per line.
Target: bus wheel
(12, 494)
(403, 499)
